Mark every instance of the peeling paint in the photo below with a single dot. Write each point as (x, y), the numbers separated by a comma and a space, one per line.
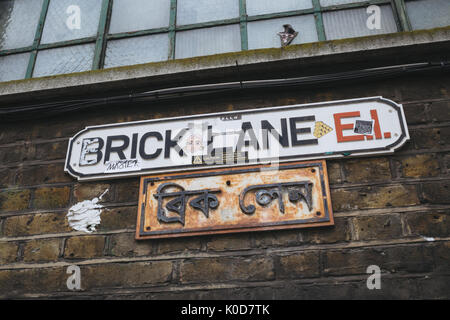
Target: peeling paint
(85, 215)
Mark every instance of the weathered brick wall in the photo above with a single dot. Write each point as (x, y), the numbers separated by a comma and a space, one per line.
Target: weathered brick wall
(384, 208)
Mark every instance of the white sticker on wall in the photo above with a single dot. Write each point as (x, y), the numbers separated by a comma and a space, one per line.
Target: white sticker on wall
(85, 216)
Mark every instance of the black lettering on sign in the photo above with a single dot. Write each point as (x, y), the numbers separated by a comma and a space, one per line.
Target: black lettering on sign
(118, 149)
(169, 143)
(282, 138)
(231, 117)
(247, 127)
(144, 138)
(134, 146)
(295, 131)
(91, 146)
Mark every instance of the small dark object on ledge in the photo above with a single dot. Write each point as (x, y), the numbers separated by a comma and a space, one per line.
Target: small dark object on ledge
(287, 35)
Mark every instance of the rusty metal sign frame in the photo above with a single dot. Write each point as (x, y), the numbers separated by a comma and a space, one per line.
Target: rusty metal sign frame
(164, 180)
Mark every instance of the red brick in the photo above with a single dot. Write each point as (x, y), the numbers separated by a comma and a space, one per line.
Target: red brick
(8, 252)
(10, 134)
(128, 191)
(125, 245)
(340, 232)
(277, 238)
(229, 242)
(367, 170)
(17, 154)
(440, 111)
(7, 177)
(118, 218)
(436, 192)
(447, 162)
(298, 265)
(377, 227)
(32, 224)
(417, 166)
(415, 258)
(89, 191)
(42, 250)
(374, 197)
(14, 200)
(84, 247)
(334, 172)
(51, 151)
(38, 175)
(125, 275)
(177, 245)
(430, 224)
(17, 282)
(206, 270)
(51, 198)
(415, 113)
(434, 138)
(442, 257)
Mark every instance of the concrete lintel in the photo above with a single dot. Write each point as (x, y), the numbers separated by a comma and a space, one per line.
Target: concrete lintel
(219, 67)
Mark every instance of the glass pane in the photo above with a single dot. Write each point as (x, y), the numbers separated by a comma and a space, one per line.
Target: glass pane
(141, 15)
(426, 14)
(206, 41)
(255, 7)
(14, 67)
(353, 23)
(326, 3)
(137, 50)
(64, 60)
(71, 19)
(264, 33)
(18, 22)
(195, 11)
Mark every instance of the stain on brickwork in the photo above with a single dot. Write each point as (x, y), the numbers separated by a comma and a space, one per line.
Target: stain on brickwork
(385, 207)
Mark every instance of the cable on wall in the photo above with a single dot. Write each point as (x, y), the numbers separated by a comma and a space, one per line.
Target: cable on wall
(8, 114)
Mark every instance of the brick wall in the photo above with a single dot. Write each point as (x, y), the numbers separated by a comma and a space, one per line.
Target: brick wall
(385, 210)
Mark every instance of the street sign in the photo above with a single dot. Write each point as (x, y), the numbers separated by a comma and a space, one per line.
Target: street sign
(250, 198)
(354, 127)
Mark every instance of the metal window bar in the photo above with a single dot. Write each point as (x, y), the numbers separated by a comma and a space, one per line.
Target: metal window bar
(400, 13)
(172, 28)
(243, 24)
(398, 8)
(320, 28)
(37, 39)
(103, 25)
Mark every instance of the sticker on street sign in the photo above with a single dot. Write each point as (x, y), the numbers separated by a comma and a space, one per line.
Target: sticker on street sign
(251, 198)
(335, 129)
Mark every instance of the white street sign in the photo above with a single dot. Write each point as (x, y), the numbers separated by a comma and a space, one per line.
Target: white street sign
(267, 135)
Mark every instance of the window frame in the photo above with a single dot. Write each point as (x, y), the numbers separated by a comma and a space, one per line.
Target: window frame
(103, 36)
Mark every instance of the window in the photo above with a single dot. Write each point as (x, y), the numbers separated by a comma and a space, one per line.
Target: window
(350, 23)
(48, 37)
(425, 14)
